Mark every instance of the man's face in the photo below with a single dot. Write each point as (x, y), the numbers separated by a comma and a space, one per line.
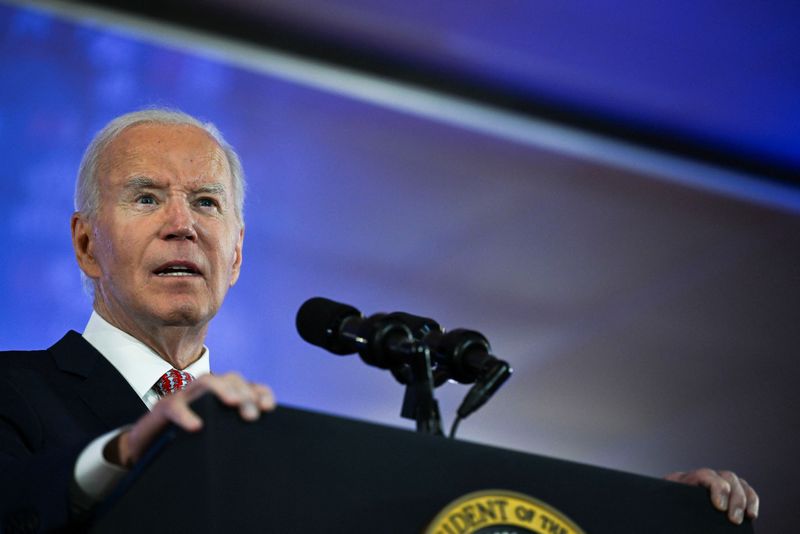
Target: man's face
(166, 243)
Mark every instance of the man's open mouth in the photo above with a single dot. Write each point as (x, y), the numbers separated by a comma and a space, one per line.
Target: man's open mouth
(177, 269)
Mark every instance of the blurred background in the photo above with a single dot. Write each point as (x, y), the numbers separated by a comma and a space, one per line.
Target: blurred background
(609, 192)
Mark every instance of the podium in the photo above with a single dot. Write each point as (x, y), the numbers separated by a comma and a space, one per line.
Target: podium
(295, 471)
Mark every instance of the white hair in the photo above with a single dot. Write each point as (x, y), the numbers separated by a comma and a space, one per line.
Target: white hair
(87, 190)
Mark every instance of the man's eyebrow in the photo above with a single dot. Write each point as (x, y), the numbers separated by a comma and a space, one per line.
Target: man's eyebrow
(143, 182)
(140, 182)
(211, 189)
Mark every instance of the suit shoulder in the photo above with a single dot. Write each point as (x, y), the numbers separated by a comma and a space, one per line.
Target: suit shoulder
(37, 357)
(21, 358)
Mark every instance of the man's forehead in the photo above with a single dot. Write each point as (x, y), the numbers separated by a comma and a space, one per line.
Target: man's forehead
(157, 138)
(152, 147)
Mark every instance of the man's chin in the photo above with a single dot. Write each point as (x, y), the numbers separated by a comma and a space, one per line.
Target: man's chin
(186, 315)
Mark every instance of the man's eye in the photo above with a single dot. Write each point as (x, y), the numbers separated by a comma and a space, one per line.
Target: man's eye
(145, 199)
(207, 203)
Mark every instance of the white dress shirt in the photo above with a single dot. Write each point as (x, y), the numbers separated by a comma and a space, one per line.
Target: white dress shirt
(141, 367)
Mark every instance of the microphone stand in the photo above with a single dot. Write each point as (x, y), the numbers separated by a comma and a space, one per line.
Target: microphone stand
(419, 402)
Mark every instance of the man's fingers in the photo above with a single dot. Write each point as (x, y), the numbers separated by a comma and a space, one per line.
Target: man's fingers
(729, 493)
(177, 411)
(174, 409)
(675, 477)
(737, 499)
(752, 499)
(240, 393)
(138, 438)
(718, 487)
(235, 391)
(266, 399)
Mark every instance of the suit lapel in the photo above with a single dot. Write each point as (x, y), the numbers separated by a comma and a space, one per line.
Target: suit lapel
(104, 390)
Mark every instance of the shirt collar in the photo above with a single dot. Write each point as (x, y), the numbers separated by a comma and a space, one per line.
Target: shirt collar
(136, 362)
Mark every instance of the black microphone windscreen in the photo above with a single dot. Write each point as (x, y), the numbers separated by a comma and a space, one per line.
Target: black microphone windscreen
(319, 320)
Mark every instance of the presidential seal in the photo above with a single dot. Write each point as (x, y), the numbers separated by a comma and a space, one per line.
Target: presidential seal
(500, 512)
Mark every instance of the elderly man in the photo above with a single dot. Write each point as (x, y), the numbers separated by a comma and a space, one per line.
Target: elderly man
(158, 234)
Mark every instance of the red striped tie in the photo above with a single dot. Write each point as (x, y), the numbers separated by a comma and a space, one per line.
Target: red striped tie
(172, 381)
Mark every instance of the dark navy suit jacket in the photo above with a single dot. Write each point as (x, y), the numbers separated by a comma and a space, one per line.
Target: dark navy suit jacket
(52, 404)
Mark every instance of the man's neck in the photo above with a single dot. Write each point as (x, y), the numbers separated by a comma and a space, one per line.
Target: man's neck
(180, 346)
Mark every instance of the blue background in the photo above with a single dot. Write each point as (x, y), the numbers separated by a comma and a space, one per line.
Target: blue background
(652, 325)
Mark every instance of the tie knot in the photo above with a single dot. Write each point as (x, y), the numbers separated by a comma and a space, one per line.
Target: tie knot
(172, 381)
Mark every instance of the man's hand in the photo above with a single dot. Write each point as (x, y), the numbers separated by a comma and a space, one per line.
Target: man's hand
(231, 389)
(729, 493)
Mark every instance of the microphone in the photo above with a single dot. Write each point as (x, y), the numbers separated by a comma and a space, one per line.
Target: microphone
(380, 340)
(465, 356)
(460, 354)
(485, 386)
(328, 324)
(390, 341)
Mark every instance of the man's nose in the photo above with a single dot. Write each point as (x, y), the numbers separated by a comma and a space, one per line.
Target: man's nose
(179, 222)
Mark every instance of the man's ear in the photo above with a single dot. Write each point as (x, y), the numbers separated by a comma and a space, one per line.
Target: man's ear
(83, 243)
(237, 259)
